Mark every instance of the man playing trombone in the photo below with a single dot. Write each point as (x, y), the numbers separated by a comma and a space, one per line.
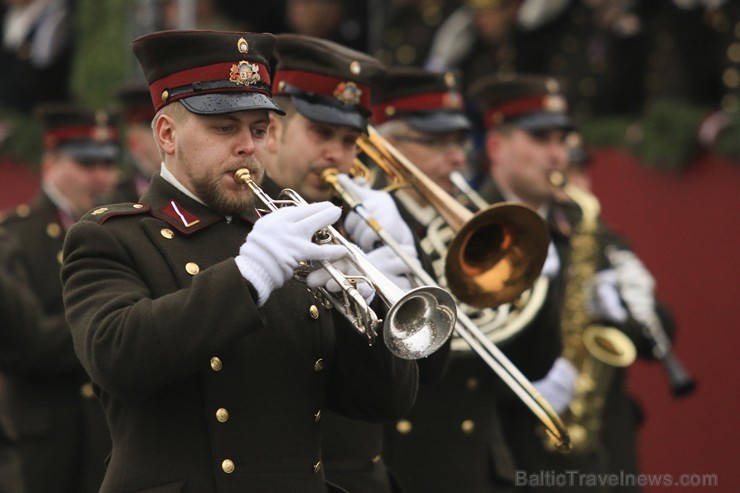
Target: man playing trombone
(213, 361)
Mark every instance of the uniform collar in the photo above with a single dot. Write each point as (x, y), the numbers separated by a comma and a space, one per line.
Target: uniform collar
(182, 211)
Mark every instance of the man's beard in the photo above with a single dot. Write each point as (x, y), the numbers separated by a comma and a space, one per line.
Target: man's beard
(210, 191)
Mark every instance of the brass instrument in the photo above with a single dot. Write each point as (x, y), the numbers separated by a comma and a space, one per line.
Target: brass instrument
(496, 253)
(466, 329)
(595, 351)
(418, 322)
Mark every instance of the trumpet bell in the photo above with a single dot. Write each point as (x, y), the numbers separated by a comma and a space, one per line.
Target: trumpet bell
(420, 322)
(497, 255)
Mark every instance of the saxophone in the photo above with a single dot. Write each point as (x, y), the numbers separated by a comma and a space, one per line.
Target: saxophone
(594, 350)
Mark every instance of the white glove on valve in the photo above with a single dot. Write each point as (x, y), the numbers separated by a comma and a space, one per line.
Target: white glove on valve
(390, 264)
(381, 207)
(559, 385)
(280, 240)
(321, 278)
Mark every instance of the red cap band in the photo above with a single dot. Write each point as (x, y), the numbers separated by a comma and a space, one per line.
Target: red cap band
(54, 137)
(208, 73)
(446, 100)
(324, 85)
(519, 107)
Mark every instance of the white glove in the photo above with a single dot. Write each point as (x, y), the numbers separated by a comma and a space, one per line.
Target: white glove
(559, 385)
(390, 264)
(280, 240)
(382, 208)
(635, 283)
(321, 278)
(605, 301)
(551, 266)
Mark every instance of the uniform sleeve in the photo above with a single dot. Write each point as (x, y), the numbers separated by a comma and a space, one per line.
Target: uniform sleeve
(132, 344)
(31, 342)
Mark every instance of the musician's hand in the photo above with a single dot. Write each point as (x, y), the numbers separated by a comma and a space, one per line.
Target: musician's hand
(558, 386)
(635, 283)
(280, 240)
(382, 208)
(605, 302)
(390, 264)
(321, 278)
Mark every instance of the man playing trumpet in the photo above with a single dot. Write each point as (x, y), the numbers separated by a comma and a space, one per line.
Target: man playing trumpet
(214, 365)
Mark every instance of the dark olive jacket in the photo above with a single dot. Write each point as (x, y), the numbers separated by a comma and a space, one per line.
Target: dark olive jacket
(203, 390)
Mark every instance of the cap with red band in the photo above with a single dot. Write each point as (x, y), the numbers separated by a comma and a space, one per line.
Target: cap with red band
(209, 72)
(428, 101)
(327, 82)
(531, 102)
(83, 134)
(136, 103)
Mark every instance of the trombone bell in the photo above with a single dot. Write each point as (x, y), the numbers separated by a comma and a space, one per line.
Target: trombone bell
(496, 255)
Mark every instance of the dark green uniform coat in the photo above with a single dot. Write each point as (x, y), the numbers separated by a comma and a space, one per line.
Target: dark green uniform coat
(204, 391)
(62, 434)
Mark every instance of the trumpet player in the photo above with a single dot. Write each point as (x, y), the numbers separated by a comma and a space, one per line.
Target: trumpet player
(214, 364)
(325, 90)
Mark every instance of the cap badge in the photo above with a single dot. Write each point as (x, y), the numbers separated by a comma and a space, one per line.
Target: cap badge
(449, 79)
(101, 133)
(354, 68)
(554, 103)
(245, 73)
(452, 100)
(242, 46)
(348, 93)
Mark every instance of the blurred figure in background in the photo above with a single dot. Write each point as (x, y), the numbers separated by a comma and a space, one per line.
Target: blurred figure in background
(141, 157)
(36, 53)
(50, 401)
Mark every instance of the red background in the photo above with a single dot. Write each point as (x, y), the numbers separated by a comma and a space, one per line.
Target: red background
(684, 226)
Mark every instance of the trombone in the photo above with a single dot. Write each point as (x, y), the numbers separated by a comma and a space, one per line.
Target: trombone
(466, 329)
(418, 322)
(496, 253)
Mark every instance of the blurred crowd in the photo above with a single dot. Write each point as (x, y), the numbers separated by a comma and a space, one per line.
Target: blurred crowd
(637, 70)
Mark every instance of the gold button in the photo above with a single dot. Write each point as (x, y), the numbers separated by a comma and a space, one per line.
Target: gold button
(314, 312)
(228, 466)
(87, 391)
(192, 268)
(53, 230)
(404, 427)
(23, 210)
(472, 383)
(60, 257)
(216, 364)
(222, 415)
(317, 467)
(467, 426)
(167, 233)
(138, 206)
(317, 416)
(376, 459)
(319, 365)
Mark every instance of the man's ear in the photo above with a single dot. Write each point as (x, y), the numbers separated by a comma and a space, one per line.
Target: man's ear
(165, 133)
(492, 142)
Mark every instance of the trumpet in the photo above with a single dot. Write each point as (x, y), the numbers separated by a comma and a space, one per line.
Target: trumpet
(465, 328)
(418, 322)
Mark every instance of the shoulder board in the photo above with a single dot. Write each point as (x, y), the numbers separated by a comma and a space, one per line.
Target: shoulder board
(102, 214)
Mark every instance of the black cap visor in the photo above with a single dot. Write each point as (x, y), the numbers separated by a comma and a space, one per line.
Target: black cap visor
(334, 115)
(437, 122)
(91, 152)
(544, 120)
(229, 102)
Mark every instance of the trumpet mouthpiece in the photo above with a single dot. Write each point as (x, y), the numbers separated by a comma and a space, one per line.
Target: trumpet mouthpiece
(242, 175)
